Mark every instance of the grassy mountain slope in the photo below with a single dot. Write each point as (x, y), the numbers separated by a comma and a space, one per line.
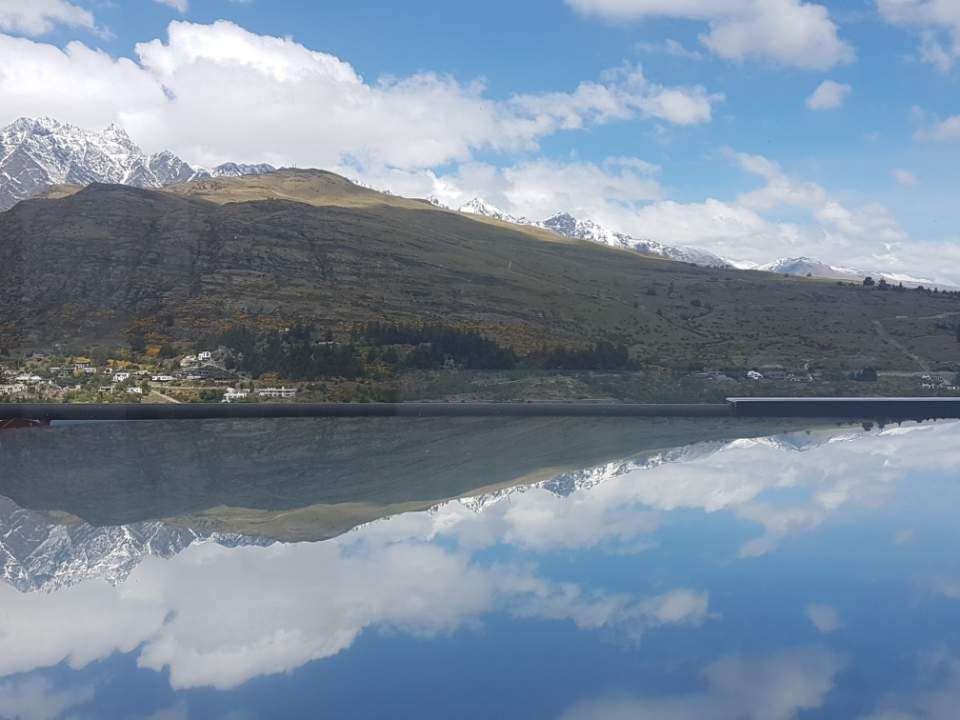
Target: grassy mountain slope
(79, 268)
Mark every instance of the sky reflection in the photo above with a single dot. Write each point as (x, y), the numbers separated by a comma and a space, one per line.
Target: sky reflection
(809, 573)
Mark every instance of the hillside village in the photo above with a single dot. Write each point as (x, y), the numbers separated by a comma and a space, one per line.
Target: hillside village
(201, 376)
(428, 370)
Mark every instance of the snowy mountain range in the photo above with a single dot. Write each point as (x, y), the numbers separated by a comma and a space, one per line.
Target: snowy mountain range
(565, 224)
(38, 153)
(40, 555)
(43, 552)
(568, 483)
(804, 266)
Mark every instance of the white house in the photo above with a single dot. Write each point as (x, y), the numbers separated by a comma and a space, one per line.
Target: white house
(13, 389)
(135, 390)
(231, 395)
(281, 392)
(188, 361)
(28, 378)
(754, 375)
(162, 378)
(121, 377)
(205, 356)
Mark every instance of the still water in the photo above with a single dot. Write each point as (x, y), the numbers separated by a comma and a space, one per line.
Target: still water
(480, 568)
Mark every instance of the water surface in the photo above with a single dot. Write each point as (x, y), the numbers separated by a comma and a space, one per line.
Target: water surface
(476, 568)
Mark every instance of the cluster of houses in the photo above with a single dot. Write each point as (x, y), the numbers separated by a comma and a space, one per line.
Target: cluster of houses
(240, 395)
(936, 382)
(81, 373)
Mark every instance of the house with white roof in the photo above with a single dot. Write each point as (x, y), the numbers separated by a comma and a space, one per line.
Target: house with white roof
(280, 392)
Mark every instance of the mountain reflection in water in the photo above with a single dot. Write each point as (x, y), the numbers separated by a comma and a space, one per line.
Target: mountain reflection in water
(579, 569)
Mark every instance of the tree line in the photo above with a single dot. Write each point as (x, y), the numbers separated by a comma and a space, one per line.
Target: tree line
(297, 353)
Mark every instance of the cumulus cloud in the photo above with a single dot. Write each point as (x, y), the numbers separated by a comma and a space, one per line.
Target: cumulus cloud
(824, 618)
(938, 700)
(941, 131)
(786, 217)
(36, 699)
(626, 195)
(831, 473)
(829, 95)
(181, 6)
(904, 177)
(218, 92)
(534, 188)
(937, 23)
(788, 32)
(37, 17)
(772, 687)
(669, 47)
(867, 235)
(310, 601)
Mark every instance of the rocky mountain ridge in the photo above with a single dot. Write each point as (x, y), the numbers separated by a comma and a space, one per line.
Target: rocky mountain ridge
(37, 153)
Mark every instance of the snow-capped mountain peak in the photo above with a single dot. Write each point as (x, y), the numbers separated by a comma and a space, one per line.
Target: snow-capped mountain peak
(36, 153)
(232, 169)
(567, 225)
(817, 268)
(479, 206)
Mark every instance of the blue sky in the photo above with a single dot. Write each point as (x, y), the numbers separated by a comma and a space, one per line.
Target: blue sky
(689, 121)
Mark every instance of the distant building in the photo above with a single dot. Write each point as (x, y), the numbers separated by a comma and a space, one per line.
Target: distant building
(13, 389)
(188, 361)
(281, 392)
(754, 375)
(28, 378)
(232, 395)
(162, 378)
(205, 356)
(135, 390)
(121, 377)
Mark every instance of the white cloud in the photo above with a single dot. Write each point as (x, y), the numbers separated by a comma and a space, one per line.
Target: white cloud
(942, 131)
(669, 47)
(937, 23)
(788, 32)
(626, 195)
(829, 95)
(37, 699)
(824, 618)
(181, 6)
(310, 601)
(904, 177)
(536, 188)
(938, 700)
(213, 93)
(37, 17)
(772, 687)
(626, 93)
